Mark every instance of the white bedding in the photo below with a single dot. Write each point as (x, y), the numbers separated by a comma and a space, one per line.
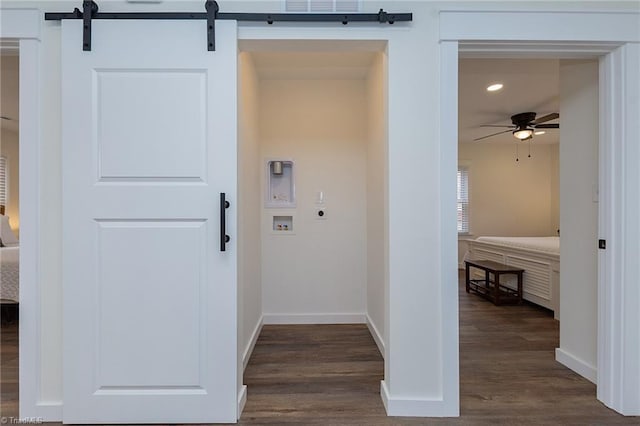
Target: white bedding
(9, 273)
(542, 244)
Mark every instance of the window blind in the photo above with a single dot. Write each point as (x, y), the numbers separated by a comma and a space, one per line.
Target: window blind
(463, 199)
(3, 181)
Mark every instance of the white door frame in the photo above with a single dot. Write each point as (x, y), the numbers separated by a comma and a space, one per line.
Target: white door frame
(614, 37)
(24, 25)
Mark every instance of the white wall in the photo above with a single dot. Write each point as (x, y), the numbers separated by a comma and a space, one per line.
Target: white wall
(318, 274)
(555, 190)
(508, 197)
(578, 215)
(50, 268)
(377, 196)
(249, 196)
(415, 310)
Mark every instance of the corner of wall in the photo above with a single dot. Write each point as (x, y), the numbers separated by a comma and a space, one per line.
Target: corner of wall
(248, 350)
(377, 336)
(416, 407)
(242, 400)
(574, 363)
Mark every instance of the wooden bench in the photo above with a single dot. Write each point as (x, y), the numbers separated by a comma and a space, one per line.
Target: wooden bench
(492, 289)
(8, 311)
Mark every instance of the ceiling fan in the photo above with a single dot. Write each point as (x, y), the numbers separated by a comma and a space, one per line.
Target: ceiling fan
(524, 125)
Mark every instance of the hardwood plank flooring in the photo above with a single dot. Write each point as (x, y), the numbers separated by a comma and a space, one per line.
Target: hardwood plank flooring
(330, 374)
(314, 374)
(9, 370)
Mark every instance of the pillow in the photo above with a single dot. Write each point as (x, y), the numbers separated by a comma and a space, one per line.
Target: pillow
(6, 233)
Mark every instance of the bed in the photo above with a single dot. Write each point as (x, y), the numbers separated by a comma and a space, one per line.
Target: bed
(9, 272)
(538, 256)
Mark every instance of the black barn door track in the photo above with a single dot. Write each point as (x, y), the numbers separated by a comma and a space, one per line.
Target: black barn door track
(90, 11)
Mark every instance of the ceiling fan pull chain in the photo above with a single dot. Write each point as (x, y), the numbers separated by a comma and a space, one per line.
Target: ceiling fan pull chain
(517, 159)
(529, 148)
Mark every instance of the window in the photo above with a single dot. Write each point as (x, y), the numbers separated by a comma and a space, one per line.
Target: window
(463, 200)
(3, 181)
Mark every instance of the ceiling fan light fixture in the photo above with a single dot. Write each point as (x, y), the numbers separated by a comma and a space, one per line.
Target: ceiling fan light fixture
(495, 87)
(523, 133)
(539, 132)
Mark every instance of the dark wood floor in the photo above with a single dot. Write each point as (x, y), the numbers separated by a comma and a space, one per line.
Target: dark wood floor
(315, 375)
(9, 370)
(330, 374)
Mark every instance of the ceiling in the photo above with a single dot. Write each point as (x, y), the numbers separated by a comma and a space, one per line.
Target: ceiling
(529, 85)
(313, 65)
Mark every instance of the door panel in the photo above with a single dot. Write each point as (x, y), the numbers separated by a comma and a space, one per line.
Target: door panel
(149, 142)
(176, 281)
(170, 136)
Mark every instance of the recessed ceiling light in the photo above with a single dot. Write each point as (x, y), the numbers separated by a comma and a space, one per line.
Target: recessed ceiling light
(495, 87)
(540, 132)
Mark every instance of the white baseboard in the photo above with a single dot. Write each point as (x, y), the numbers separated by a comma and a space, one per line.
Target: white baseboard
(587, 371)
(375, 333)
(43, 411)
(246, 355)
(242, 400)
(417, 407)
(314, 319)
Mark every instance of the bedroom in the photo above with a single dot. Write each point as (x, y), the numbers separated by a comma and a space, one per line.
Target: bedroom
(537, 187)
(9, 191)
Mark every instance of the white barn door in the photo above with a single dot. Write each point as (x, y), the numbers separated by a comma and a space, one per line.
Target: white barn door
(149, 143)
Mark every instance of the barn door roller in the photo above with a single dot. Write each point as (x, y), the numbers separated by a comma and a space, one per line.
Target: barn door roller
(90, 12)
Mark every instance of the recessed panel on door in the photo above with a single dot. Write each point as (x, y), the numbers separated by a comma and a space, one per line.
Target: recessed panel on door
(151, 124)
(150, 304)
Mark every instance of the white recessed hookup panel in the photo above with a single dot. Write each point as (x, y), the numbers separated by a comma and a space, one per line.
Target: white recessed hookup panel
(280, 184)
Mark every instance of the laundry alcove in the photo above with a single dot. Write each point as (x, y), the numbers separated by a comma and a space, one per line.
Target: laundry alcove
(321, 107)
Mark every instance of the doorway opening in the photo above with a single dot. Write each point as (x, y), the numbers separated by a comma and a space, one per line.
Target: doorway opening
(312, 173)
(9, 223)
(545, 187)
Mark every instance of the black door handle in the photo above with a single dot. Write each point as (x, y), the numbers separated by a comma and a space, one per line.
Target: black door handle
(224, 238)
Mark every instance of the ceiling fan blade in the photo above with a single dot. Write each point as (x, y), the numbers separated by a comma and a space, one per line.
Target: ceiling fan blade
(547, 126)
(547, 117)
(6, 118)
(496, 125)
(494, 134)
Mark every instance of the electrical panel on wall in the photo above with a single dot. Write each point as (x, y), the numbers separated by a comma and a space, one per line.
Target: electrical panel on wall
(280, 191)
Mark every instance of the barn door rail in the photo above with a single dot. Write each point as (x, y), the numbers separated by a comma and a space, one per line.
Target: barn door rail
(90, 11)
